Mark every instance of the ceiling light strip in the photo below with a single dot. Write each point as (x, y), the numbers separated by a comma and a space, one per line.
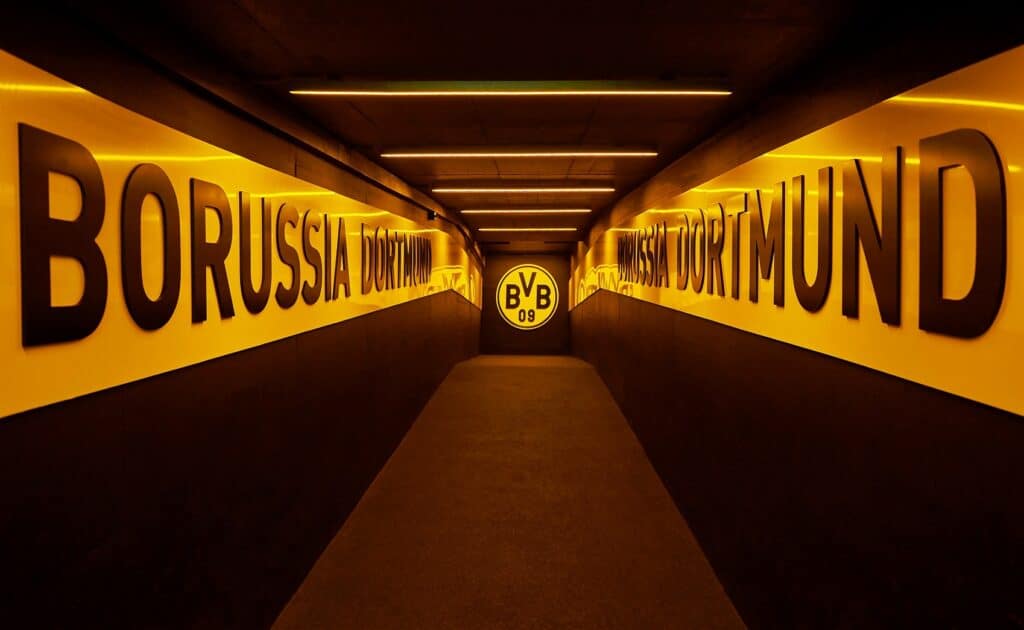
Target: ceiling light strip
(506, 93)
(525, 190)
(957, 102)
(527, 229)
(530, 211)
(518, 154)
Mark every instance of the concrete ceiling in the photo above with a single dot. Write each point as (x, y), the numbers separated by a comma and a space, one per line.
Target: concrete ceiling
(744, 45)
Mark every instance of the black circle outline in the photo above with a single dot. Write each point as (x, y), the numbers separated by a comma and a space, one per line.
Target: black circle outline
(501, 311)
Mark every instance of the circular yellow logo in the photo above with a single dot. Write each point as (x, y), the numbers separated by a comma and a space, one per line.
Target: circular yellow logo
(527, 296)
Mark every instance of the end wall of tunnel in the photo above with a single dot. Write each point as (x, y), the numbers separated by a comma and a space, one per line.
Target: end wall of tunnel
(498, 336)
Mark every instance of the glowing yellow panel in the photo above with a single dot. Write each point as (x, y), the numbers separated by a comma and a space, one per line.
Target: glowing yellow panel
(986, 97)
(119, 351)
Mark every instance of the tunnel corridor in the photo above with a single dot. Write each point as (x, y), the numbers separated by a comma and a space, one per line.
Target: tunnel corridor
(519, 498)
(471, 315)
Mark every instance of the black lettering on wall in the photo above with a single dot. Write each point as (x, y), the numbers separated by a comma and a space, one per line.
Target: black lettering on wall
(380, 258)
(620, 253)
(543, 296)
(255, 299)
(641, 257)
(400, 260)
(393, 259)
(683, 255)
(207, 255)
(43, 237)
(973, 314)
(311, 291)
(328, 267)
(737, 225)
(389, 276)
(627, 248)
(650, 260)
(641, 236)
(287, 216)
(341, 262)
(663, 280)
(366, 260)
(145, 180)
(407, 260)
(767, 244)
(428, 258)
(634, 256)
(881, 250)
(415, 255)
(512, 296)
(695, 276)
(716, 243)
(631, 262)
(527, 286)
(812, 296)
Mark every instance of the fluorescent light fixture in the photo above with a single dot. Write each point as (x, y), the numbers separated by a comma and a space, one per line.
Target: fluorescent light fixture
(377, 93)
(572, 189)
(41, 87)
(958, 102)
(517, 154)
(530, 211)
(528, 229)
(698, 88)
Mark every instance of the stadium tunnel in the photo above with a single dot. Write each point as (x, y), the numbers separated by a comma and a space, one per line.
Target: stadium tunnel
(475, 315)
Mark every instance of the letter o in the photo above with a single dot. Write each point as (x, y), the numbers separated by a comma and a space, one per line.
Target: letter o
(145, 180)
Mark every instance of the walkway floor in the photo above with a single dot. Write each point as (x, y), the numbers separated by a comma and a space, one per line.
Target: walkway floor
(520, 498)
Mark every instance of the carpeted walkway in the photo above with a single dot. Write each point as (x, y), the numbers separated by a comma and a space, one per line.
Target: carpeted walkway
(519, 499)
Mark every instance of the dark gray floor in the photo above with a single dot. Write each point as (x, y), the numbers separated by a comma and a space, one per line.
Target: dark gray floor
(519, 499)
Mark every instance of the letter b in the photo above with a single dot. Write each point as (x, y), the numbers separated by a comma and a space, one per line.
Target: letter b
(511, 296)
(543, 296)
(43, 237)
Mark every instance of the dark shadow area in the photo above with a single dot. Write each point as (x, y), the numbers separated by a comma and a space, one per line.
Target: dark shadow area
(201, 497)
(825, 494)
(519, 499)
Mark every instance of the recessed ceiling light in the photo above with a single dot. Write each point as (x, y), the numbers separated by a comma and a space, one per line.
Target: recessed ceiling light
(516, 154)
(961, 102)
(530, 211)
(407, 93)
(527, 229)
(41, 87)
(695, 88)
(571, 189)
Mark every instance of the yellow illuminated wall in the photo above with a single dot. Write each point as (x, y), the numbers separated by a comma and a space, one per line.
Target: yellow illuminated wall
(119, 351)
(988, 97)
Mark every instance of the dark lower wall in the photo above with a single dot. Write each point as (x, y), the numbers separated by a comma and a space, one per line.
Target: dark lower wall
(497, 337)
(825, 494)
(201, 497)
